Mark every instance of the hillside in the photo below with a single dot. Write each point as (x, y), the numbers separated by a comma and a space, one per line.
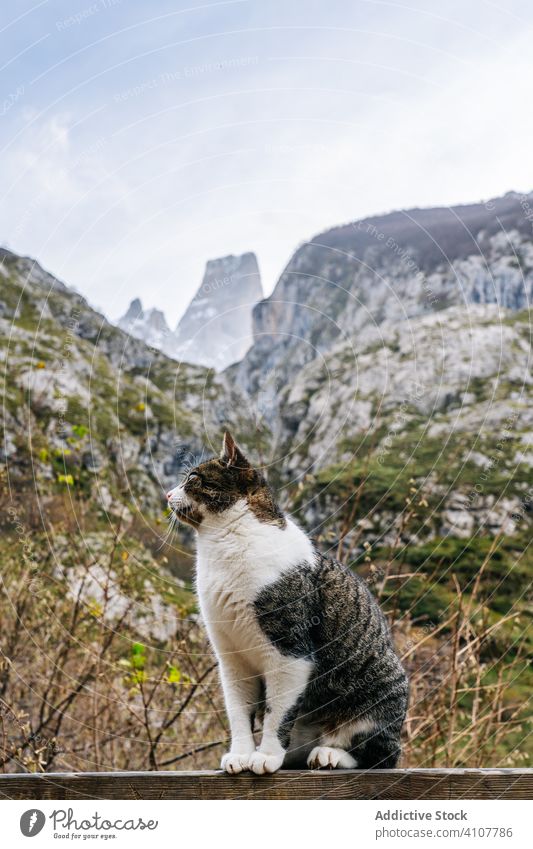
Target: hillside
(67, 370)
(93, 420)
(444, 398)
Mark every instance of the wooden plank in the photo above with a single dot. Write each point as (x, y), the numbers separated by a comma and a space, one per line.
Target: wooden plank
(337, 784)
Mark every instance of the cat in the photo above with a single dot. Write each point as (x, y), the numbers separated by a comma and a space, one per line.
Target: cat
(299, 639)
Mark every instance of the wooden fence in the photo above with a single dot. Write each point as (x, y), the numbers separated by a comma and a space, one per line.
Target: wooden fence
(337, 784)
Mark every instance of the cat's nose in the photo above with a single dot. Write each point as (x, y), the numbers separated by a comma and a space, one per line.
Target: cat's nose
(169, 495)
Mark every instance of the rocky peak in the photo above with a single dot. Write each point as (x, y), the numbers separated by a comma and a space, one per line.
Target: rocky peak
(133, 313)
(216, 329)
(148, 325)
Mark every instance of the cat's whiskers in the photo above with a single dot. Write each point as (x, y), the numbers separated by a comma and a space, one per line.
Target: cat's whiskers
(172, 522)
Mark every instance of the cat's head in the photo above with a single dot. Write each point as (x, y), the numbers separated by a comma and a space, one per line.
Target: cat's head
(214, 487)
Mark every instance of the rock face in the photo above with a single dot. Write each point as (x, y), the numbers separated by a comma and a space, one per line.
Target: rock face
(443, 400)
(216, 329)
(345, 283)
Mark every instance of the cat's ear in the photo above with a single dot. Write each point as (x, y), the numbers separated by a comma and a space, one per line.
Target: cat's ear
(231, 453)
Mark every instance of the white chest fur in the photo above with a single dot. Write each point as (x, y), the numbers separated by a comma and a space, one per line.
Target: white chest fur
(237, 555)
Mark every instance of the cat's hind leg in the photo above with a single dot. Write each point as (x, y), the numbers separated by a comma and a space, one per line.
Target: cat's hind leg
(305, 735)
(381, 750)
(333, 747)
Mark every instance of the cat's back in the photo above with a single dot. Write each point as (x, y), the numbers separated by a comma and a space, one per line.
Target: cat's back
(353, 625)
(321, 607)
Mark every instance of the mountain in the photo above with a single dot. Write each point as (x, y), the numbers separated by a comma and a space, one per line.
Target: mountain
(345, 283)
(397, 348)
(150, 326)
(216, 329)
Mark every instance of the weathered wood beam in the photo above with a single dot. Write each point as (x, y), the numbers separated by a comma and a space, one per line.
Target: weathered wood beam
(337, 784)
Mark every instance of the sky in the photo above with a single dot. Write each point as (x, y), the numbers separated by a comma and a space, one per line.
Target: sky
(140, 139)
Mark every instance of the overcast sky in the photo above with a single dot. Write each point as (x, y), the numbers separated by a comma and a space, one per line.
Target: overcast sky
(140, 138)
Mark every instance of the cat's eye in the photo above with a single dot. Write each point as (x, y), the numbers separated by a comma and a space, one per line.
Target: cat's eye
(193, 477)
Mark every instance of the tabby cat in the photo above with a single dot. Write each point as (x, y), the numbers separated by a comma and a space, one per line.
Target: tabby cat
(300, 641)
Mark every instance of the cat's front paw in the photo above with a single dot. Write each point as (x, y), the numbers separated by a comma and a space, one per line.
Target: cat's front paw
(261, 763)
(233, 763)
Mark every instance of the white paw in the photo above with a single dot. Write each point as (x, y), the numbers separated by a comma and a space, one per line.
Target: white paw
(260, 763)
(234, 763)
(327, 756)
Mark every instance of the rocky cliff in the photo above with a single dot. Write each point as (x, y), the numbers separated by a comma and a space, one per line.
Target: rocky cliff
(443, 401)
(216, 329)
